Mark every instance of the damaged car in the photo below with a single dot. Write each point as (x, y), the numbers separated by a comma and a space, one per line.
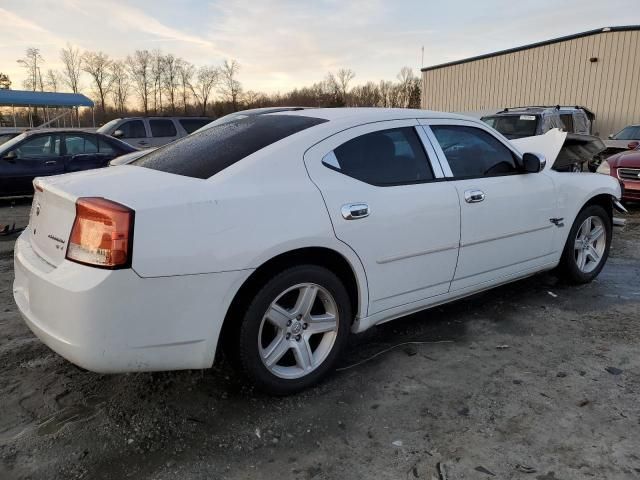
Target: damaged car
(274, 237)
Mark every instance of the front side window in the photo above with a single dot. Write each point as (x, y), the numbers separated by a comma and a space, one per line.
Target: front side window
(133, 129)
(162, 128)
(472, 152)
(39, 146)
(383, 158)
(205, 153)
(79, 144)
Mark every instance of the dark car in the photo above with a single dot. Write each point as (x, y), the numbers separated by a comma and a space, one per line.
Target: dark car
(40, 153)
(625, 167)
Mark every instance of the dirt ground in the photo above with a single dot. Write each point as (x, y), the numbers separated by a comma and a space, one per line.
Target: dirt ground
(534, 380)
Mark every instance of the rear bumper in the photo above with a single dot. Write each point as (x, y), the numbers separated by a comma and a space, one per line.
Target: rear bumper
(112, 321)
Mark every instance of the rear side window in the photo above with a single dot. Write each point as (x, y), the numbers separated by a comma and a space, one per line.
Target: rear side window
(133, 129)
(514, 126)
(210, 151)
(105, 147)
(190, 125)
(580, 122)
(80, 144)
(472, 152)
(162, 128)
(383, 158)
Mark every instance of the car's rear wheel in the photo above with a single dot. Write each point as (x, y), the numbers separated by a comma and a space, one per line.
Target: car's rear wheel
(587, 247)
(294, 329)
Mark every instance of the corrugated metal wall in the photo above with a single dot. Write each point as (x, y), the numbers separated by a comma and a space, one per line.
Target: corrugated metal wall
(557, 73)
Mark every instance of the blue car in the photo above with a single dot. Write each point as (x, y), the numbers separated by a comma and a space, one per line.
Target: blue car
(40, 153)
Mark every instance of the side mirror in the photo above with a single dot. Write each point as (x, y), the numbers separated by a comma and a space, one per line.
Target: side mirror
(610, 136)
(533, 162)
(118, 134)
(633, 145)
(10, 157)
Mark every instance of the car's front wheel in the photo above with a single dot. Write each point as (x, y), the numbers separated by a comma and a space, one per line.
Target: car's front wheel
(587, 246)
(294, 329)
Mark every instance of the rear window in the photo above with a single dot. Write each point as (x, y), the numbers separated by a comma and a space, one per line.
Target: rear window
(514, 126)
(190, 125)
(210, 151)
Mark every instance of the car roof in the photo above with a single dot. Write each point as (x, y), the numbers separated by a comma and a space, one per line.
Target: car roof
(370, 114)
(60, 130)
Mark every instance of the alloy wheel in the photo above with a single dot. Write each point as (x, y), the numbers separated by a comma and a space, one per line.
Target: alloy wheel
(590, 244)
(298, 331)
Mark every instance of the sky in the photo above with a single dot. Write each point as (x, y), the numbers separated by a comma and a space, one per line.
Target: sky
(282, 44)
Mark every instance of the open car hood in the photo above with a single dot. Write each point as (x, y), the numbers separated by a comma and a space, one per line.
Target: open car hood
(548, 145)
(562, 149)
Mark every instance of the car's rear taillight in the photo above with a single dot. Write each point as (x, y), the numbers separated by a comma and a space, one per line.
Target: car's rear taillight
(102, 234)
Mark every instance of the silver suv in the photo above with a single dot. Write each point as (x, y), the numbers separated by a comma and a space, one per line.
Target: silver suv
(148, 132)
(521, 122)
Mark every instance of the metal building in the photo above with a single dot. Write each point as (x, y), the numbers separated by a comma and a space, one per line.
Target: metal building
(598, 69)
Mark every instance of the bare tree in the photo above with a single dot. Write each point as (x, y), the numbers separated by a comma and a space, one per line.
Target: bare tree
(31, 63)
(157, 72)
(5, 82)
(52, 80)
(139, 66)
(97, 65)
(206, 78)
(229, 86)
(72, 60)
(171, 79)
(185, 72)
(409, 88)
(119, 85)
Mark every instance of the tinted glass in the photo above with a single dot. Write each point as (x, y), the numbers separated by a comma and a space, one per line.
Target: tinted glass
(567, 120)
(105, 147)
(190, 125)
(133, 129)
(628, 133)
(210, 151)
(39, 146)
(387, 157)
(580, 123)
(162, 128)
(514, 126)
(472, 152)
(78, 144)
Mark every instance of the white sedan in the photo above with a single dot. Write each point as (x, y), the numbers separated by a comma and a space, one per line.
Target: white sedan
(277, 235)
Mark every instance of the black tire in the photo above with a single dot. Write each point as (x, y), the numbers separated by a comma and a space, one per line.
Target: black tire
(248, 337)
(568, 267)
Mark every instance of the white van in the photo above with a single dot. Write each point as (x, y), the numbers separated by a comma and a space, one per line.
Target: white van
(147, 132)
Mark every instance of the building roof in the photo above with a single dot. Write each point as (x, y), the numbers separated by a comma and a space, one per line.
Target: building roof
(534, 45)
(25, 98)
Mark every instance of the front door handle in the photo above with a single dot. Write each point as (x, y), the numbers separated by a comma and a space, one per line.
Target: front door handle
(355, 211)
(51, 162)
(474, 196)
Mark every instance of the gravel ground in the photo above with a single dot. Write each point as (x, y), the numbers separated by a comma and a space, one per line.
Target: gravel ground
(534, 380)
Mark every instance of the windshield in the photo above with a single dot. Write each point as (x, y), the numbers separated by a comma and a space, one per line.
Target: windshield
(632, 132)
(108, 126)
(207, 152)
(8, 145)
(513, 126)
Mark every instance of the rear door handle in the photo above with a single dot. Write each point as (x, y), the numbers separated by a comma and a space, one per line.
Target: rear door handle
(474, 196)
(355, 211)
(51, 162)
